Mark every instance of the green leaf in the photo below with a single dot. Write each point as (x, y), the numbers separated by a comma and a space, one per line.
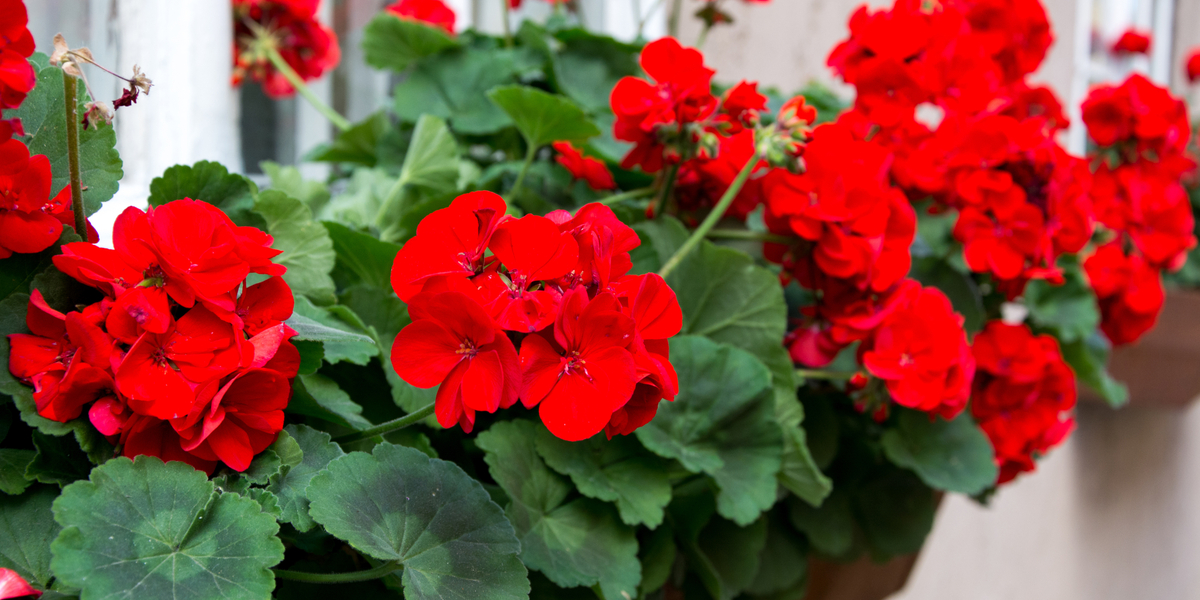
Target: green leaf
(358, 145)
(365, 258)
(290, 486)
(619, 470)
(27, 527)
(783, 562)
(12, 470)
(1068, 309)
(830, 527)
(398, 504)
(577, 543)
(895, 510)
(955, 456)
(142, 528)
(729, 299)
(287, 179)
(319, 396)
(263, 467)
(307, 249)
(18, 271)
(733, 552)
(658, 559)
(59, 460)
(212, 183)
(432, 159)
(359, 204)
(390, 42)
(722, 424)
(1088, 357)
(543, 118)
(44, 118)
(341, 340)
(589, 66)
(454, 86)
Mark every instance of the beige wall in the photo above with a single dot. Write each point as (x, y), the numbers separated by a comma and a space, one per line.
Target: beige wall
(1114, 514)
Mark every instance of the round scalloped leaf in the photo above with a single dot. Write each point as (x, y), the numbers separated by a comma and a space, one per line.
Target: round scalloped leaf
(26, 529)
(148, 529)
(398, 504)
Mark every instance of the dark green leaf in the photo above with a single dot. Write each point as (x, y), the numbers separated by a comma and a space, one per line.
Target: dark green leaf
(366, 258)
(143, 528)
(311, 356)
(1068, 309)
(390, 42)
(783, 562)
(722, 424)
(12, 470)
(59, 460)
(341, 340)
(895, 510)
(358, 145)
(18, 271)
(958, 287)
(829, 528)
(319, 396)
(307, 249)
(44, 118)
(658, 559)
(212, 183)
(589, 66)
(733, 552)
(290, 485)
(577, 543)
(398, 504)
(1088, 357)
(454, 86)
(27, 527)
(955, 456)
(543, 118)
(619, 470)
(263, 467)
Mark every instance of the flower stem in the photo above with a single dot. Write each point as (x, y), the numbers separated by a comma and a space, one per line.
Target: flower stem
(742, 234)
(508, 40)
(73, 155)
(368, 575)
(630, 195)
(668, 188)
(529, 156)
(293, 78)
(718, 212)
(673, 19)
(385, 428)
(816, 374)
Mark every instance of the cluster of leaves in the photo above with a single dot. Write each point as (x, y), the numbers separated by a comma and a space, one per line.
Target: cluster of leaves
(724, 494)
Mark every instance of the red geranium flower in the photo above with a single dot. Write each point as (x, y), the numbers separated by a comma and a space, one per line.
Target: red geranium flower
(16, 45)
(591, 170)
(308, 46)
(454, 344)
(1192, 66)
(1132, 41)
(233, 421)
(433, 12)
(583, 373)
(1130, 293)
(28, 215)
(449, 242)
(921, 352)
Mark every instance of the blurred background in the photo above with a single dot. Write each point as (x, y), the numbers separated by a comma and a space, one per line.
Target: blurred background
(1112, 514)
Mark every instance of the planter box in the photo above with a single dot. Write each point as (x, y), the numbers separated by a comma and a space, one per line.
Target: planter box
(863, 579)
(1162, 369)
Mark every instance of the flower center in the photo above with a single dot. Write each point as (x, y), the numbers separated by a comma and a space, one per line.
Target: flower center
(467, 349)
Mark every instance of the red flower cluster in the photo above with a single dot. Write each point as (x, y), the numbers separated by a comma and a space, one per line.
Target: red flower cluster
(591, 170)
(433, 12)
(1023, 395)
(1132, 41)
(16, 45)
(539, 309)
(180, 359)
(1142, 133)
(308, 46)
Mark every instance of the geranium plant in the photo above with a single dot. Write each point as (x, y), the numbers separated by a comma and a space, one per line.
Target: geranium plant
(568, 319)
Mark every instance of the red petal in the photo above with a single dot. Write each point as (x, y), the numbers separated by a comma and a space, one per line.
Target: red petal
(540, 368)
(424, 353)
(483, 383)
(28, 232)
(13, 586)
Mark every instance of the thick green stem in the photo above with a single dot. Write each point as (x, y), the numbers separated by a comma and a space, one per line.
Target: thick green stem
(73, 155)
(718, 212)
(661, 205)
(529, 156)
(703, 37)
(754, 236)
(293, 78)
(508, 40)
(623, 196)
(816, 374)
(368, 575)
(390, 426)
